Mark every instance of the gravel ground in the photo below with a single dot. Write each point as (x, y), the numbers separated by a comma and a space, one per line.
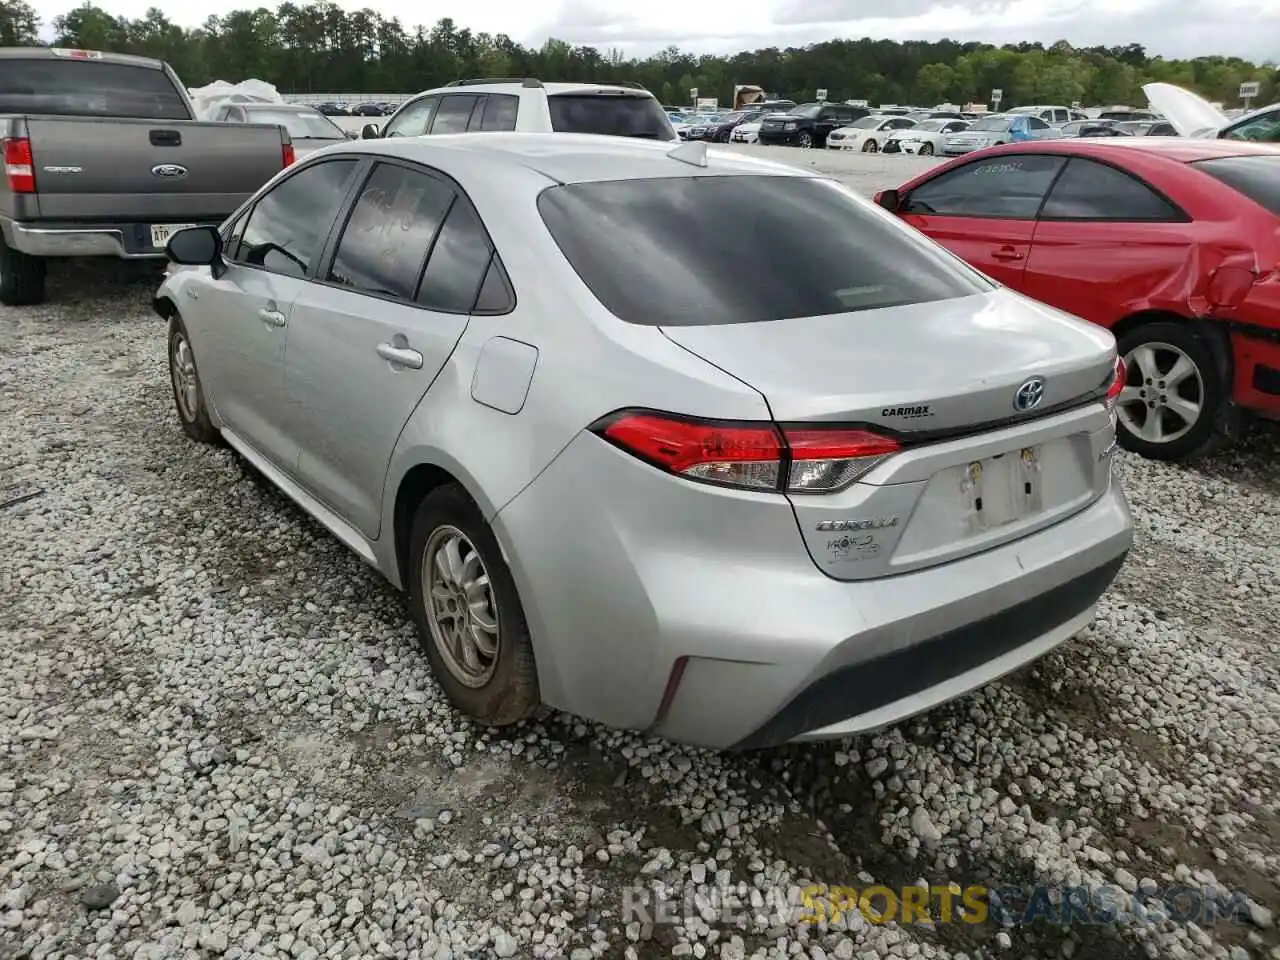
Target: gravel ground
(217, 736)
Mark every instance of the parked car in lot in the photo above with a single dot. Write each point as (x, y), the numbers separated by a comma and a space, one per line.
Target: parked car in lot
(529, 106)
(808, 124)
(697, 476)
(1172, 244)
(996, 129)
(308, 128)
(1193, 116)
(925, 138)
(1055, 116)
(867, 134)
(104, 158)
(746, 132)
(1087, 128)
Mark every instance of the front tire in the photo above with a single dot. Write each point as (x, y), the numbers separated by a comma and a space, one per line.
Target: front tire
(22, 277)
(1174, 393)
(870, 147)
(805, 141)
(188, 392)
(470, 621)
(926, 150)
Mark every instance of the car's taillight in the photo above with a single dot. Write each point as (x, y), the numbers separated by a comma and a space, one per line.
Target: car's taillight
(289, 155)
(19, 165)
(749, 456)
(1118, 379)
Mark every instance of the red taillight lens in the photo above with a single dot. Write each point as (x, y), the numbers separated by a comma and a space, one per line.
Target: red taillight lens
(1118, 380)
(749, 456)
(19, 165)
(289, 155)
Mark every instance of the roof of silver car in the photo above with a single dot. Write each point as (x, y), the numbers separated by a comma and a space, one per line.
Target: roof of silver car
(571, 157)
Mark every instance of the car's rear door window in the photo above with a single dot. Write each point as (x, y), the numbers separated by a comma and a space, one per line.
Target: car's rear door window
(1088, 190)
(688, 251)
(454, 113)
(612, 114)
(389, 230)
(499, 113)
(1258, 178)
(1008, 187)
(458, 263)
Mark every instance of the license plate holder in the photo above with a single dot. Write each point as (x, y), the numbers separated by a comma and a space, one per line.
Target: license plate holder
(162, 233)
(1002, 489)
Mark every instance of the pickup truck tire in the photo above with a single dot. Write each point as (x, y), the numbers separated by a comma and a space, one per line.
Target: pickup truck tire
(21, 277)
(188, 393)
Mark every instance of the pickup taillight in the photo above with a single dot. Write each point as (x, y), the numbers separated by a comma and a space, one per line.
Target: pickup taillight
(289, 155)
(19, 165)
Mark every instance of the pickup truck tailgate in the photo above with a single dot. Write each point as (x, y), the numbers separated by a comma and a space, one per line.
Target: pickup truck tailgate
(89, 168)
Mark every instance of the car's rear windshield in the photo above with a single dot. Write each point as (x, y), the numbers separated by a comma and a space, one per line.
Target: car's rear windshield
(693, 251)
(612, 114)
(88, 88)
(1258, 178)
(301, 124)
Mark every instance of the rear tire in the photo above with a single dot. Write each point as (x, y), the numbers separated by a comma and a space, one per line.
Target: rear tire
(22, 277)
(1170, 406)
(470, 621)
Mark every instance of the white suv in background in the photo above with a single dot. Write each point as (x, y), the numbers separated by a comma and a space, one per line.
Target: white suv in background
(529, 106)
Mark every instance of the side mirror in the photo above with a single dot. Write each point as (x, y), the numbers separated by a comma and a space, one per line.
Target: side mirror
(195, 247)
(369, 131)
(889, 199)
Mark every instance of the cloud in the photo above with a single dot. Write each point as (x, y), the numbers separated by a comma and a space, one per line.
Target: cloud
(1169, 28)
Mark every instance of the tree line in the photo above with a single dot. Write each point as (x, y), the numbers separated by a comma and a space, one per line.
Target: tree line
(319, 47)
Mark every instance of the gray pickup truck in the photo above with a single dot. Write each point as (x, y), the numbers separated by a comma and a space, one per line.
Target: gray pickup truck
(103, 157)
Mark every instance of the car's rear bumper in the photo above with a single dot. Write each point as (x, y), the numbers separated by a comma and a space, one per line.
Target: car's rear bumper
(128, 241)
(697, 613)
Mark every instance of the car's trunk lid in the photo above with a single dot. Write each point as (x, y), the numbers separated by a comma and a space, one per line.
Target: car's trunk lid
(942, 378)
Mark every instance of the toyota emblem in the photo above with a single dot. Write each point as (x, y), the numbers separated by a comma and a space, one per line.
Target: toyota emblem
(1029, 395)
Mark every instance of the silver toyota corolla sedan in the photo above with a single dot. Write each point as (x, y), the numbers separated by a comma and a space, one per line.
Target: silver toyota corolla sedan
(677, 440)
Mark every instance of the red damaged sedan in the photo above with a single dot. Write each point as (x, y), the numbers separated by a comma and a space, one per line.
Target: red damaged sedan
(1172, 244)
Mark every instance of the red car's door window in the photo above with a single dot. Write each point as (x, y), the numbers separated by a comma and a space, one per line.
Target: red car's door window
(984, 211)
(1105, 243)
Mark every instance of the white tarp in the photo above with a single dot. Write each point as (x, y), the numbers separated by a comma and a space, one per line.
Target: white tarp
(207, 99)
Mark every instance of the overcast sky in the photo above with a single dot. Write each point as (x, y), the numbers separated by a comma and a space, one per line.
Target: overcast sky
(1172, 28)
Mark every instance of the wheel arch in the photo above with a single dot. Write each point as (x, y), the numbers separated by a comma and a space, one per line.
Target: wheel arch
(1213, 334)
(164, 306)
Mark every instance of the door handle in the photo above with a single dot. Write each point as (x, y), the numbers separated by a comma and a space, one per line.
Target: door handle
(1006, 253)
(272, 318)
(400, 356)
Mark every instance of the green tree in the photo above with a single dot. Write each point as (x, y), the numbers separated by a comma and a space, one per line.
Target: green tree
(934, 82)
(19, 24)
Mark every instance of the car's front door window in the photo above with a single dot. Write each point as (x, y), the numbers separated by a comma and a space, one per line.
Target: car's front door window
(1007, 187)
(412, 120)
(288, 225)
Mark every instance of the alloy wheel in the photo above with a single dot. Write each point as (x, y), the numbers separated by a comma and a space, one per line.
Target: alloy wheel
(1164, 397)
(462, 610)
(186, 382)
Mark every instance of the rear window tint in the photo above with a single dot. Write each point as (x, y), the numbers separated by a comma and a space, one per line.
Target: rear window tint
(691, 251)
(1258, 178)
(612, 114)
(88, 88)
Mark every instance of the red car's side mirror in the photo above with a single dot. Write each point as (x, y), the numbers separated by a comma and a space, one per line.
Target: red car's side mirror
(890, 200)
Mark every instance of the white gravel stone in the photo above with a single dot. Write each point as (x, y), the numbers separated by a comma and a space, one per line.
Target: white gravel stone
(219, 737)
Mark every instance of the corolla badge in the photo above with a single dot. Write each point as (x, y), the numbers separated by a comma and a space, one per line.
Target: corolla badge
(169, 171)
(1029, 395)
